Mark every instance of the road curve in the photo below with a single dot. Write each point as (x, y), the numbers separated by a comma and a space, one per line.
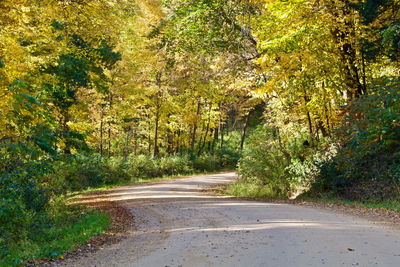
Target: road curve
(177, 224)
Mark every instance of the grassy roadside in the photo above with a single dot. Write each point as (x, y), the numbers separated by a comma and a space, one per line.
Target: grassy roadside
(70, 228)
(253, 191)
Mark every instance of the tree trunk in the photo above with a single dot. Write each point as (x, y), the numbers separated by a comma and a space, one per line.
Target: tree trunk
(244, 130)
(326, 111)
(364, 75)
(65, 127)
(136, 141)
(210, 142)
(101, 133)
(193, 141)
(128, 135)
(109, 139)
(310, 128)
(149, 138)
(201, 148)
(214, 141)
(222, 136)
(178, 142)
(109, 125)
(344, 39)
(157, 118)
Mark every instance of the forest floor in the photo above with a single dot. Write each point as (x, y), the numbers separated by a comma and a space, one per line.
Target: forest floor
(182, 223)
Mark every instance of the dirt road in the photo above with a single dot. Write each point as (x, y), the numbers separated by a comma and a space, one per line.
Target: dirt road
(177, 224)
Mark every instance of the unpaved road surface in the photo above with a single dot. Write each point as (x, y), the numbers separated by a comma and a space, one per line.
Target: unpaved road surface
(177, 224)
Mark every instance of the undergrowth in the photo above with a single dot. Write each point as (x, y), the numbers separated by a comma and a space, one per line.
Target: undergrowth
(67, 230)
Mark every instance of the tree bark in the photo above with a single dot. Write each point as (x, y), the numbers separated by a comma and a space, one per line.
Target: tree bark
(157, 118)
(101, 133)
(244, 130)
(201, 148)
(214, 141)
(222, 135)
(193, 141)
(178, 142)
(109, 125)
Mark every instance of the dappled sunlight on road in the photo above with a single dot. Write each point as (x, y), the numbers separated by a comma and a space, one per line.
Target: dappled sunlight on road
(178, 188)
(178, 224)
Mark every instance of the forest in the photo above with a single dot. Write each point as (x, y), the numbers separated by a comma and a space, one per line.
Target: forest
(298, 96)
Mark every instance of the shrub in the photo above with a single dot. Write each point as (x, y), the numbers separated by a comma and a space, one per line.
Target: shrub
(206, 163)
(77, 172)
(367, 164)
(175, 165)
(278, 166)
(143, 166)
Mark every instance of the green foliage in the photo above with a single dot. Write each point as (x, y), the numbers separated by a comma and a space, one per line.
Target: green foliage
(265, 162)
(367, 164)
(23, 200)
(68, 228)
(246, 189)
(32, 220)
(206, 26)
(373, 121)
(78, 172)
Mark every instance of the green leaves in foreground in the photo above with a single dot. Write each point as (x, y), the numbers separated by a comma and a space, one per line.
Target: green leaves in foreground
(69, 230)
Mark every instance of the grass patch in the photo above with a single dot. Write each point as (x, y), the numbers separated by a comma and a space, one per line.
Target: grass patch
(73, 227)
(251, 190)
(264, 192)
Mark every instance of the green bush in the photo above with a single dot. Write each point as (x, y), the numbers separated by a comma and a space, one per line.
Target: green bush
(206, 163)
(24, 205)
(227, 158)
(77, 172)
(277, 166)
(175, 165)
(264, 163)
(143, 166)
(367, 165)
(29, 213)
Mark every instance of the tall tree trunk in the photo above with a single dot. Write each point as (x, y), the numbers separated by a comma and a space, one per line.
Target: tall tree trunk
(306, 100)
(178, 142)
(169, 139)
(101, 133)
(201, 148)
(222, 136)
(327, 129)
(109, 139)
(244, 130)
(310, 128)
(214, 141)
(364, 75)
(149, 138)
(193, 141)
(157, 118)
(65, 127)
(109, 124)
(136, 140)
(128, 135)
(345, 40)
(210, 142)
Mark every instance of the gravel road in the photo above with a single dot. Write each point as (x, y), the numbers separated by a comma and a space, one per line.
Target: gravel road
(177, 224)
